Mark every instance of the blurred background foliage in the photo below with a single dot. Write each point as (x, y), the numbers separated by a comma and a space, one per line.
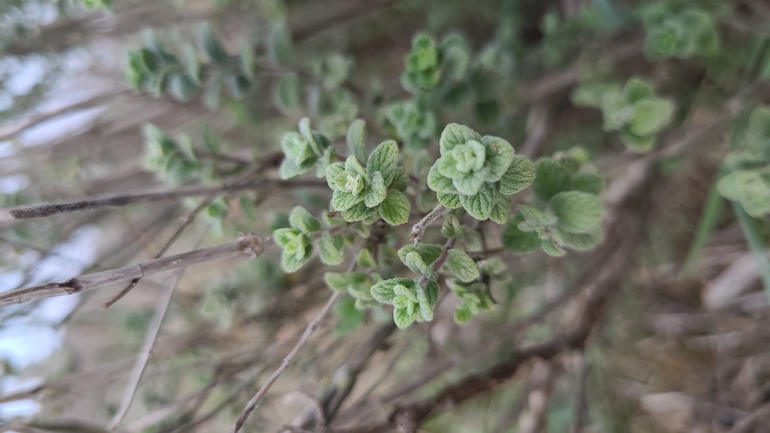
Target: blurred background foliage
(667, 98)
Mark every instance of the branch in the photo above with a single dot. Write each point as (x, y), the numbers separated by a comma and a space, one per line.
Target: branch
(419, 228)
(247, 246)
(117, 200)
(145, 352)
(311, 328)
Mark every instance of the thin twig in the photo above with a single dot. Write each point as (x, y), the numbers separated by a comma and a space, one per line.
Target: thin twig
(311, 328)
(247, 246)
(419, 228)
(145, 352)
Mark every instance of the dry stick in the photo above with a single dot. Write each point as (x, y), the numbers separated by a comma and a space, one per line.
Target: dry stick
(581, 402)
(419, 228)
(311, 328)
(251, 246)
(532, 420)
(145, 352)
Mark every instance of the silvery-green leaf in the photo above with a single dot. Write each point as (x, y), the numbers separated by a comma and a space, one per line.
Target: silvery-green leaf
(341, 281)
(462, 315)
(637, 89)
(439, 183)
(279, 44)
(431, 294)
(470, 185)
(402, 318)
(551, 249)
(395, 209)
(343, 200)
(452, 228)
(428, 252)
(335, 176)
(499, 155)
(461, 266)
(284, 236)
(500, 209)
(302, 220)
(480, 205)
(352, 165)
(650, 116)
(286, 93)
(447, 167)
(587, 182)
(400, 181)
(455, 134)
(519, 175)
(328, 252)
(366, 259)
(358, 212)
(519, 242)
(635, 142)
(376, 192)
(414, 262)
(383, 291)
(491, 266)
(451, 201)
(550, 179)
(289, 169)
(384, 159)
(536, 216)
(293, 262)
(356, 139)
(578, 241)
(426, 310)
(212, 46)
(576, 212)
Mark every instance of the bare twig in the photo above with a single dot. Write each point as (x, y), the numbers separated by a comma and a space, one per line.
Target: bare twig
(145, 352)
(247, 246)
(311, 328)
(533, 419)
(581, 403)
(419, 228)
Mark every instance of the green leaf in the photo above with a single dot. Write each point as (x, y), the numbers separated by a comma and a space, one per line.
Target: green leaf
(182, 88)
(284, 236)
(289, 169)
(395, 209)
(650, 116)
(353, 166)
(377, 190)
(462, 266)
(500, 209)
(440, 183)
(550, 179)
(637, 89)
(292, 262)
(356, 139)
(491, 266)
(384, 159)
(366, 259)
(414, 262)
(302, 220)
(342, 281)
(518, 241)
(212, 46)
(248, 59)
(519, 175)
(480, 205)
(551, 249)
(578, 241)
(427, 252)
(349, 316)
(328, 250)
(576, 212)
(384, 290)
(462, 315)
(451, 201)
(403, 318)
(279, 45)
(286, 93)
(635, 142)
(426, 310)
(452, 228)
(454, 135)
(499, 155)
(431, 294)
(344, 200)
(358, 212)
(587, 182)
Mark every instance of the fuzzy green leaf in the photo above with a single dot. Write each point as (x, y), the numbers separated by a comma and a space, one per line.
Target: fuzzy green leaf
(395, 208)
(551, 178)
(384, 159)
(292, 262)
(452, 228)
(451, 201)
(428, 252)
(344, 200)
(426, 310)
(499, 155)
(576, 212)
(501, 209)
(366, 259)
(384, 290)
(377, 191)
(302, 220)
(551, 249)
(578, 241)
(328, 250)
(650, 116)
(358, 212)
(440, 183)
(342, 281)
(356, 139)
(519, 175)
(414, 262)
(462, 266)
(284, 236)
(587, 182)
(480, 205)
(403, 318)
(454, 135)
(518, 241)
(286, 93)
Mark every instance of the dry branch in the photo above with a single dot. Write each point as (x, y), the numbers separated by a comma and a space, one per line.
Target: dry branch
(251, 246)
